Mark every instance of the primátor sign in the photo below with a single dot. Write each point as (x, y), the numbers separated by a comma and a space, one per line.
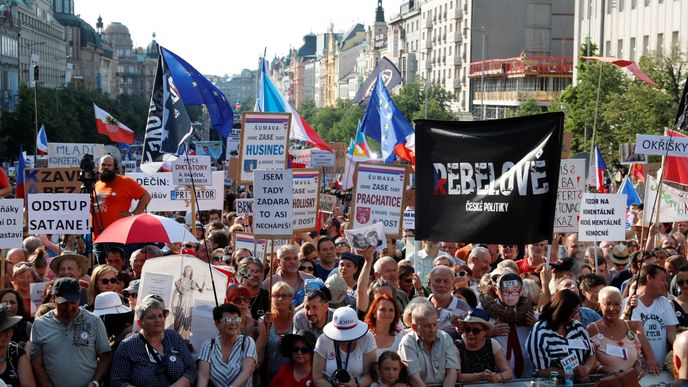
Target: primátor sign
(306, 191)
(569, 195)
(166, 196)
(272, 204)
(264, 143)
(378, 197)
(59, 213)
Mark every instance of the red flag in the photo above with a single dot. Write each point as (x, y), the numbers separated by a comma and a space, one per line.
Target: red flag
(109, 126)
(638, 171)
(676, 168)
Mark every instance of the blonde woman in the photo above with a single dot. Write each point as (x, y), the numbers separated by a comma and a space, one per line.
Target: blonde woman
(273, 327)
(103, 279)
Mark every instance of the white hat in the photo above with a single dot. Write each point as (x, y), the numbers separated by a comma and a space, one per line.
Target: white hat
(109, 303)
(345, 325)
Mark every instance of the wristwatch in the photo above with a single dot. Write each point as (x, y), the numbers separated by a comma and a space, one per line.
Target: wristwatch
(95, 382)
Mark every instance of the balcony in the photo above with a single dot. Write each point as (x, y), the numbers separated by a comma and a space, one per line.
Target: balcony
(428, 23)
(458, 36)
(457, 14)
(540, 96)
(457, 61)
(428, 44)
(457, 84)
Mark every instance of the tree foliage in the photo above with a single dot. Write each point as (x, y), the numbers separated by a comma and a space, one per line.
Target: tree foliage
(528, 108)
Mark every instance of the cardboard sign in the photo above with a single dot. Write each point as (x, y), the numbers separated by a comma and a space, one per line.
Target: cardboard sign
(646, 144)
(192, 169)
(59, 213)
(378, 197)
(233, 141)
(129, 166)
(273, 215)
(321, 158)
(52, 180)
(306, 190)
(166, 196)
(300, 156)
(244, 207)
(602, 218)
(62, 155)
(327, 203)
(11, 223)
(569, 195)
(409, 220)
(627, 155)
(264, 142)
(673, 203)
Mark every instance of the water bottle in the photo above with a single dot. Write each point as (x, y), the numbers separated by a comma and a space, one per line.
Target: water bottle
(553, 378)
(569, 377)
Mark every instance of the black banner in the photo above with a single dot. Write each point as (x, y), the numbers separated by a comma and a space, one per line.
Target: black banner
(488, 181)
(681, 122)
(390, 75)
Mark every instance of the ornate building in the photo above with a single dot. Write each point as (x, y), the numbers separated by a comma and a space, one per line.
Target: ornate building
(9, 57)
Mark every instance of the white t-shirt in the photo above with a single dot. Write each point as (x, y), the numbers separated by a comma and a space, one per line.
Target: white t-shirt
(325, 348)
(655, 319)
(394, 347)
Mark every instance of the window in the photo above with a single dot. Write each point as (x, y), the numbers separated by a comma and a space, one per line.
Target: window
(608, 48)
(660, 44)
(619, 48)
(632, 50)
(646, 44)
(621, 5)
(674, 40)
(634, 4)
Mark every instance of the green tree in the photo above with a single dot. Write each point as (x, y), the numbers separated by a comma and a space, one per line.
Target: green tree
(528, 108)
(411, 101)
(668, 71)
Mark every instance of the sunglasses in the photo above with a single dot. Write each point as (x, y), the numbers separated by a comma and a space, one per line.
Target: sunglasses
(300, 350)
(341, 244)
(281, 296)
(240, 299)
(128, 294)
(407, 280)
(682, 282)
(475, 331)
(462, 273)
(306, 268)
(231, 320)
(106, 281)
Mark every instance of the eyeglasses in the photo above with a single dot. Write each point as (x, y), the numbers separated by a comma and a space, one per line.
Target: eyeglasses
(231, 320)
(300, 350)
(462, 273)
(341, 244)
(682, 282)
(106, 281)
(407, 280)
(281, 296)
(514, 292)
(240, 299)
(128, 294)
(306, 268)
(475, 331)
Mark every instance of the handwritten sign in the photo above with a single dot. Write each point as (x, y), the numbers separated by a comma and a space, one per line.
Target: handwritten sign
(62, 155)
(602, 218)
(244, 207)
(11, 223)
(378, 197)
(305, 199)
(569, 195)
(272, 205)
(52, 180)
(264, 142)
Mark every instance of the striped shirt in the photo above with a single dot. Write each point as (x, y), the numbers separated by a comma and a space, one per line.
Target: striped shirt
(221, 373)
(547, 348)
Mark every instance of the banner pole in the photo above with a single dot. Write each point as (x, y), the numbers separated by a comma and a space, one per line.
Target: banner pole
(3, 262)
(272, 269)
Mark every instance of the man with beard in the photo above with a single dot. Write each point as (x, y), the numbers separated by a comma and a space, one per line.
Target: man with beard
(114, 194)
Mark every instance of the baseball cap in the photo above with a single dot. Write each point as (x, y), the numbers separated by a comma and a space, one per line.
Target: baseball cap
(66, 290)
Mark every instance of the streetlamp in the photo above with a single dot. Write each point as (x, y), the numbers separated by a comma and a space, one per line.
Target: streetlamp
(36, 74)
(483, 31)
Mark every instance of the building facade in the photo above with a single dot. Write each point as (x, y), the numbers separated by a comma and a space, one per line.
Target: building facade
(41, 34)
(9, 58)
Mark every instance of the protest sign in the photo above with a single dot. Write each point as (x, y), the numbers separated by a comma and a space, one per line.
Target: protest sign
(627, 155)
(327, 203)
(192, 169)
(11, 223)
(300, 157)
(209, 148)
(248, 241)
(321, 158)
(409, 220)
(166, 196)
(186, 286)
(62, 155)
(272, 204)
(569, 195)
(59, 213)
(371, 235)
(306, 191)
(129, 166)
(479, 181)
(52, 180)
(244, 207)
(340, 149)
(673, 205)
(264, 142)
(378, 197)
(646, 144)
(602, 218)
(233, 141)
(36, 294)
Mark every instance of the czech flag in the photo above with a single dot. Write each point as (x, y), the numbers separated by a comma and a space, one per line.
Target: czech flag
(675, 168)
(599, 168)
(42, 142)
(21, 165)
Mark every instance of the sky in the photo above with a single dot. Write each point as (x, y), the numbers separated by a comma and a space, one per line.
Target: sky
(222, 37)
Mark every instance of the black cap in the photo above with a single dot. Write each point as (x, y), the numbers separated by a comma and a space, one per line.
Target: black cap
(66, 290)
(356, 259)
(562, 264)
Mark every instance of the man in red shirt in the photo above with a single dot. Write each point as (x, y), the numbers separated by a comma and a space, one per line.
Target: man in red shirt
(535, 256)
(5, 186)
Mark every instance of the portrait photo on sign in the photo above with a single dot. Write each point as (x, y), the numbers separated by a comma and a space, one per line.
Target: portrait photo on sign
(373, 235)
(628, 156)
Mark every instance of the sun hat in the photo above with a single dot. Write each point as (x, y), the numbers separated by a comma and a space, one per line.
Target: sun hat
(345, 325)
(7, 321)
(289, 340)
(478, 315)
(66, 289)
(79, 259)
(109, 303)
(620, 255)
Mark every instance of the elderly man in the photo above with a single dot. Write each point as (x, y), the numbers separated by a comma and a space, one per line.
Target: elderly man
(71, 266)
(429, 353)
(386, 268)
(14, 256)
(288, 256)
(535, 257)
(69, 345)
(448, 307)
(139, 257)
(250, 274)
(479, 262)
(315, 314)
(422, 260)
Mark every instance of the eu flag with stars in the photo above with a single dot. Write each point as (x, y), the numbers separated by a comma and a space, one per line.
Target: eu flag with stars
(195, 89)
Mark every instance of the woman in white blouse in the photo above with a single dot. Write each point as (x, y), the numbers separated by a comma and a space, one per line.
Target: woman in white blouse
(383, 319)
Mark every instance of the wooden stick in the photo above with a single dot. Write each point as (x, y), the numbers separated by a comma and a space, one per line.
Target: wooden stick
(3, 261)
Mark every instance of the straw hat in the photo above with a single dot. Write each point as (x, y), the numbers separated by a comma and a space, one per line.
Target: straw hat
(82, 261)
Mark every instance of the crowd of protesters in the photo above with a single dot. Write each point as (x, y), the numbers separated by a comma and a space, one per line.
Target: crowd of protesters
(430, 313)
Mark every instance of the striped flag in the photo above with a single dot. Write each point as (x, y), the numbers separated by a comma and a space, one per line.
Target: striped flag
(599, 168)
(42, 142)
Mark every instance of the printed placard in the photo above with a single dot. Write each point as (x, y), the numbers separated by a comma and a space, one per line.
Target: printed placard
(273, 215)
(602, 218)
(264, 142)
(52, 180)
(244, 207)
(209, 148)
(129, 166)
(248, 241)
(327, 202)
(321, 158)
(409, 220)
(233, 141)
(646, 144)
(11, 223)
(378, 197)
(166, 196)
(62, 155)
(59, 213)
(371, 235)
(192, 169)
(306, 190)
(569, 195)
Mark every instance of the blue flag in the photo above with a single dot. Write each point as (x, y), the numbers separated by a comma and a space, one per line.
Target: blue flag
(631, 193)
(196, 89)
(390, 74)
(384, 123)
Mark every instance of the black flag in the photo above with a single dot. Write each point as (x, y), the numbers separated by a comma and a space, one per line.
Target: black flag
(488, 181)
(682, 115)
(390, 75)
(168, 122)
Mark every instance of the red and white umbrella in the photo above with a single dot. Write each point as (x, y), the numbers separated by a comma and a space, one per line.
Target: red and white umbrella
(146, 228)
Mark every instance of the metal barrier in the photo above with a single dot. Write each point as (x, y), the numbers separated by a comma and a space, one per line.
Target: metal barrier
(661, 379)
